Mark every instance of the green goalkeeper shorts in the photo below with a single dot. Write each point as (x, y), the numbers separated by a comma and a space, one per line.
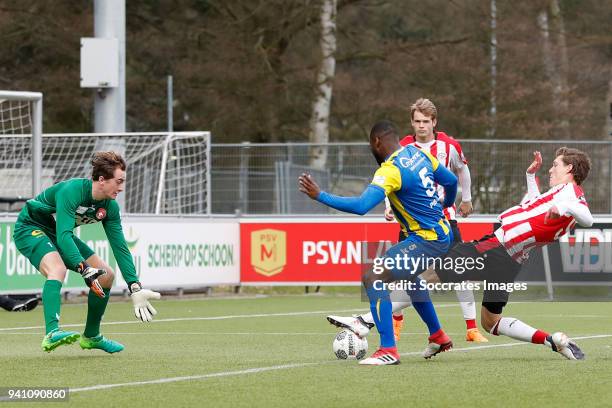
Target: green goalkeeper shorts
(34, 244)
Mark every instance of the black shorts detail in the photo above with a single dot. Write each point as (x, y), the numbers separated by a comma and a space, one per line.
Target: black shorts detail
(456, 233)
(495, 307)
(494, 266)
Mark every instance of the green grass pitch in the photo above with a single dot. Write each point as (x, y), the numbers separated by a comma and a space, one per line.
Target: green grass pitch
(276, 351)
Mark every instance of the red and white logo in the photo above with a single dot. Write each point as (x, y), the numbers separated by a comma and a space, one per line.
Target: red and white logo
(101, 214)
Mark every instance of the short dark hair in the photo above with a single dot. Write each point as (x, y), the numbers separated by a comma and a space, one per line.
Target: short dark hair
(580, 161)
(105, 163)
(383, 128)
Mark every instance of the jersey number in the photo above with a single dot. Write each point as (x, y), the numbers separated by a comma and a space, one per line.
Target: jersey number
(427, 182)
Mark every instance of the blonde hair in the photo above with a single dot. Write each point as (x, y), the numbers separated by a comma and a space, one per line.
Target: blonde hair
(425, 106)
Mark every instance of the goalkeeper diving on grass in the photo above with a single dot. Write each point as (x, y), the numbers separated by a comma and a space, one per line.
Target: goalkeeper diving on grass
(408, 177)
(44, 234)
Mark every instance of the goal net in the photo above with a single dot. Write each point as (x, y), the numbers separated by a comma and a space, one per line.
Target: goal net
(168, 172)
(20, 125)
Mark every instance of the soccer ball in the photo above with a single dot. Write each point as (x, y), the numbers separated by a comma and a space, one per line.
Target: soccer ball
(347, 345)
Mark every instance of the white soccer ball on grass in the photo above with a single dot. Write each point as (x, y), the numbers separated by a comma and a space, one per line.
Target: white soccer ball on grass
(347, 345)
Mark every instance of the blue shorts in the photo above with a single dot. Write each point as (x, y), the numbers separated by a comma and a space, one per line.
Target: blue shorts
(409, 258)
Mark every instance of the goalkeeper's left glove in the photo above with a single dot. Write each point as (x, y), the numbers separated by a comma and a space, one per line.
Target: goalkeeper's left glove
(143, 310)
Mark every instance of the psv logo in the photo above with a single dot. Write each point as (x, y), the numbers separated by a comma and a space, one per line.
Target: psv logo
(268, 251)
(100, 214)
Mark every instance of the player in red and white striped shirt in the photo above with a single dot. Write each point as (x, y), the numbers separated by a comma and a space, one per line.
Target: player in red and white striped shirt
(537, 221)
(529, 224)
(423, 117)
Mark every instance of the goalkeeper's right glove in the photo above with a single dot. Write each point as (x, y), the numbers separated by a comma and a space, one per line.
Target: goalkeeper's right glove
(91, 275)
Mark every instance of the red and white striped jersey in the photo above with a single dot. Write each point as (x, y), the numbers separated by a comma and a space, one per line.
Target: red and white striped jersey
(523, 227)
(448, 152)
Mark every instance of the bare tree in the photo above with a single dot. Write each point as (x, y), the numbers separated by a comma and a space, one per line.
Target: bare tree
(493, 101)
(321, 108)
(552, 72)
(561, 82)
(608, 129)
(556, 64)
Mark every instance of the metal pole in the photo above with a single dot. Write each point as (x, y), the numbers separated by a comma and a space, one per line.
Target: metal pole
(109, 105)
(170, 106)
(547, 274)
(37, 147)
(162, 176)
(208, 177)
(244, 178)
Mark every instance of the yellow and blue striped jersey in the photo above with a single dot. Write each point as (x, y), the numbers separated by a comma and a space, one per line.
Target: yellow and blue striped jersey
(408, 179)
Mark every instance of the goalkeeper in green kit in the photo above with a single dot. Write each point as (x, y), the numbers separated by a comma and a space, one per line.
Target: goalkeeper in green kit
(44, 234)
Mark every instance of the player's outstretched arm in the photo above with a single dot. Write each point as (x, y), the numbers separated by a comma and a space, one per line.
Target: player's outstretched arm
(444, 177)
(532, 185)
(354, 205)
(536, 164)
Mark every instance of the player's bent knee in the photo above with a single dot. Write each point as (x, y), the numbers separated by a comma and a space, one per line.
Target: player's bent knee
(56, 274)
(489, 318)
(52, 267)
(430, 276)
(108, 278)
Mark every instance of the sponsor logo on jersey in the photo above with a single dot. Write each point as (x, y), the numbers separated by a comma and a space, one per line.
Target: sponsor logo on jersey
(37, 233)
(268, 251)
(101, 213)
(82, 210)
(411, 162)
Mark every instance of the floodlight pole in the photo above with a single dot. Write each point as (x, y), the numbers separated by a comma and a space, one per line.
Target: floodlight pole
(109, 105)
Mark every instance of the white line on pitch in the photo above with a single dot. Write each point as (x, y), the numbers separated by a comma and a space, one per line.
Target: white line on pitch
(282, 367)
(184, 319)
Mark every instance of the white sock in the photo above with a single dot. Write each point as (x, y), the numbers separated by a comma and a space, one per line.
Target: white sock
(468, 306)
(395, 307)
(511, 327)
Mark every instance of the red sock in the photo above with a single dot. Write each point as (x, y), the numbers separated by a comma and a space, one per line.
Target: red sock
(439, 333)
(539, 337)
(392, 350)
(398, 317)
(470, 323)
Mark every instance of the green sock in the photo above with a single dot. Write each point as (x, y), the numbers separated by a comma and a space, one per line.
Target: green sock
(95, 311)
(52, 301)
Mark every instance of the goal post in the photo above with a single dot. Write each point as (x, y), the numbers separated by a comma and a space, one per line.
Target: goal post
(21, 117)
(168, 172)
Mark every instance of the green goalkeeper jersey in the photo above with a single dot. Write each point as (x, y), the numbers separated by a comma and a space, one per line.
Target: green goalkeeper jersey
(68, 204)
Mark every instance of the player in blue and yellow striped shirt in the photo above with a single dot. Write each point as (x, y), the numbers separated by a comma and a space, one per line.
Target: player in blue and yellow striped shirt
(408, 177)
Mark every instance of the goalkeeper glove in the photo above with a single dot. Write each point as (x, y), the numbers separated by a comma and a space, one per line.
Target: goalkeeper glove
(143, 310)
(91, 275)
